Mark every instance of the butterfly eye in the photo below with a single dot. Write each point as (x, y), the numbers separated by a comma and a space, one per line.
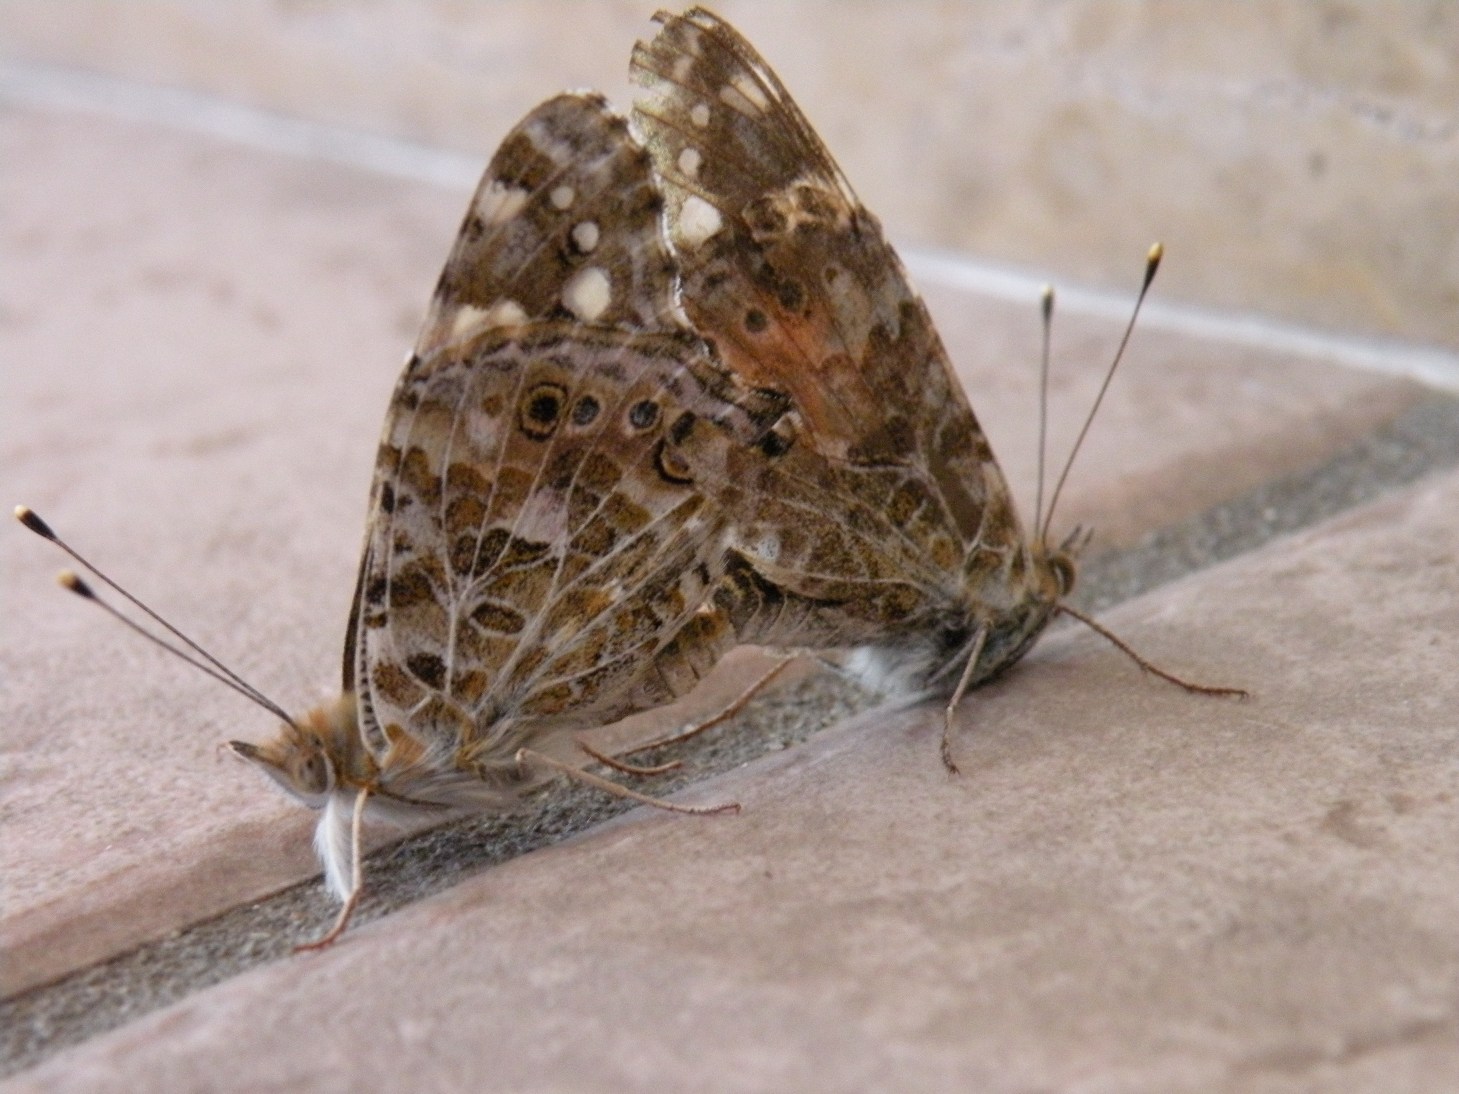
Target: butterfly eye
(643, 414)
(541, 410)
(313, 775)
(1062, 567)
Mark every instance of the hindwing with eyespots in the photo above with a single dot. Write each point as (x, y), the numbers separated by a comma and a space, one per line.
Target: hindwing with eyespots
(549, 515)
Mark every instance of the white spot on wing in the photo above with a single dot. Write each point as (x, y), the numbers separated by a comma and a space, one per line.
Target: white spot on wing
(562, 196)
(469, 319)
(499, 202)
(585, 236)
(504, 313)
(698, 220)
(699, 114)
(689, 161)
(587, 293)
(751, 90)
(543, 518)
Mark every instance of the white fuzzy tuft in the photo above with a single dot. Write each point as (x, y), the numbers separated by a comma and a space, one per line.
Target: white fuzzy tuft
(895, 673)
(332, 844)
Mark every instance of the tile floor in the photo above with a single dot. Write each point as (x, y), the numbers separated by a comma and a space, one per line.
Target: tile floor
(1128, 889)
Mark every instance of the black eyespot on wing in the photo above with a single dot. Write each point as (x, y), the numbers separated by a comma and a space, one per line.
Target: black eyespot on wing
(755, 321)
(542, 410)
(585, 410)
(643, 414)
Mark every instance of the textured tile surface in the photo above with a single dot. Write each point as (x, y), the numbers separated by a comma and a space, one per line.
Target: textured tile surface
(205, 346)
(1130, 886)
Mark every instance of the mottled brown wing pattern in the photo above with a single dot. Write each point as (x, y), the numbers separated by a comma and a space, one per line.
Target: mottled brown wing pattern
(539, 535)
(564, 225)
(542, 551)
(911, 531)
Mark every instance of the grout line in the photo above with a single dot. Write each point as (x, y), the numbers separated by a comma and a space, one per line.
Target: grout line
(60, 88)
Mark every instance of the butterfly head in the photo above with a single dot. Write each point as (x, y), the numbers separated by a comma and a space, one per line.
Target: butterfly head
(314, 757)
(1047, 578)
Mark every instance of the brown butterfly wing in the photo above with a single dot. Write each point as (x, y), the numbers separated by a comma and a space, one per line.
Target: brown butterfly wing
(911, 529)
(542, 526)
(796, 285)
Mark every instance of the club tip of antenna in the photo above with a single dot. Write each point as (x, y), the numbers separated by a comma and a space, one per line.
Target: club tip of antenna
(69, 581)
(1152, 263)
(1046, 300)
(27, 516)
(241, 749)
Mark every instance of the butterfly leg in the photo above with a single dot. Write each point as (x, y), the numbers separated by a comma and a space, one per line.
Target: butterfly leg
(724, 714)
(357, 882)
(966, 679)
(728, 711)
(622, 765)
(1119, 644)
(527, 756)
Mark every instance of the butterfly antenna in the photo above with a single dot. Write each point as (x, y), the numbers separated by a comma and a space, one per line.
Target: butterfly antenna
(199, 658)
(1047, 305)
(1152, 263)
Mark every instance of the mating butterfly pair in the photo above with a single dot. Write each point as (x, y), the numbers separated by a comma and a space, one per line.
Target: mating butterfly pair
(673, 394)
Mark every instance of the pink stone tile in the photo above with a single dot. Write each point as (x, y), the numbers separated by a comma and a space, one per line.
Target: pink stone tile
(1129, 888)
(204, 341)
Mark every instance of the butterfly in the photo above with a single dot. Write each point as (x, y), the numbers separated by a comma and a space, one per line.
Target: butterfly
(902, 544)
(545, 546)
(671, 395)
